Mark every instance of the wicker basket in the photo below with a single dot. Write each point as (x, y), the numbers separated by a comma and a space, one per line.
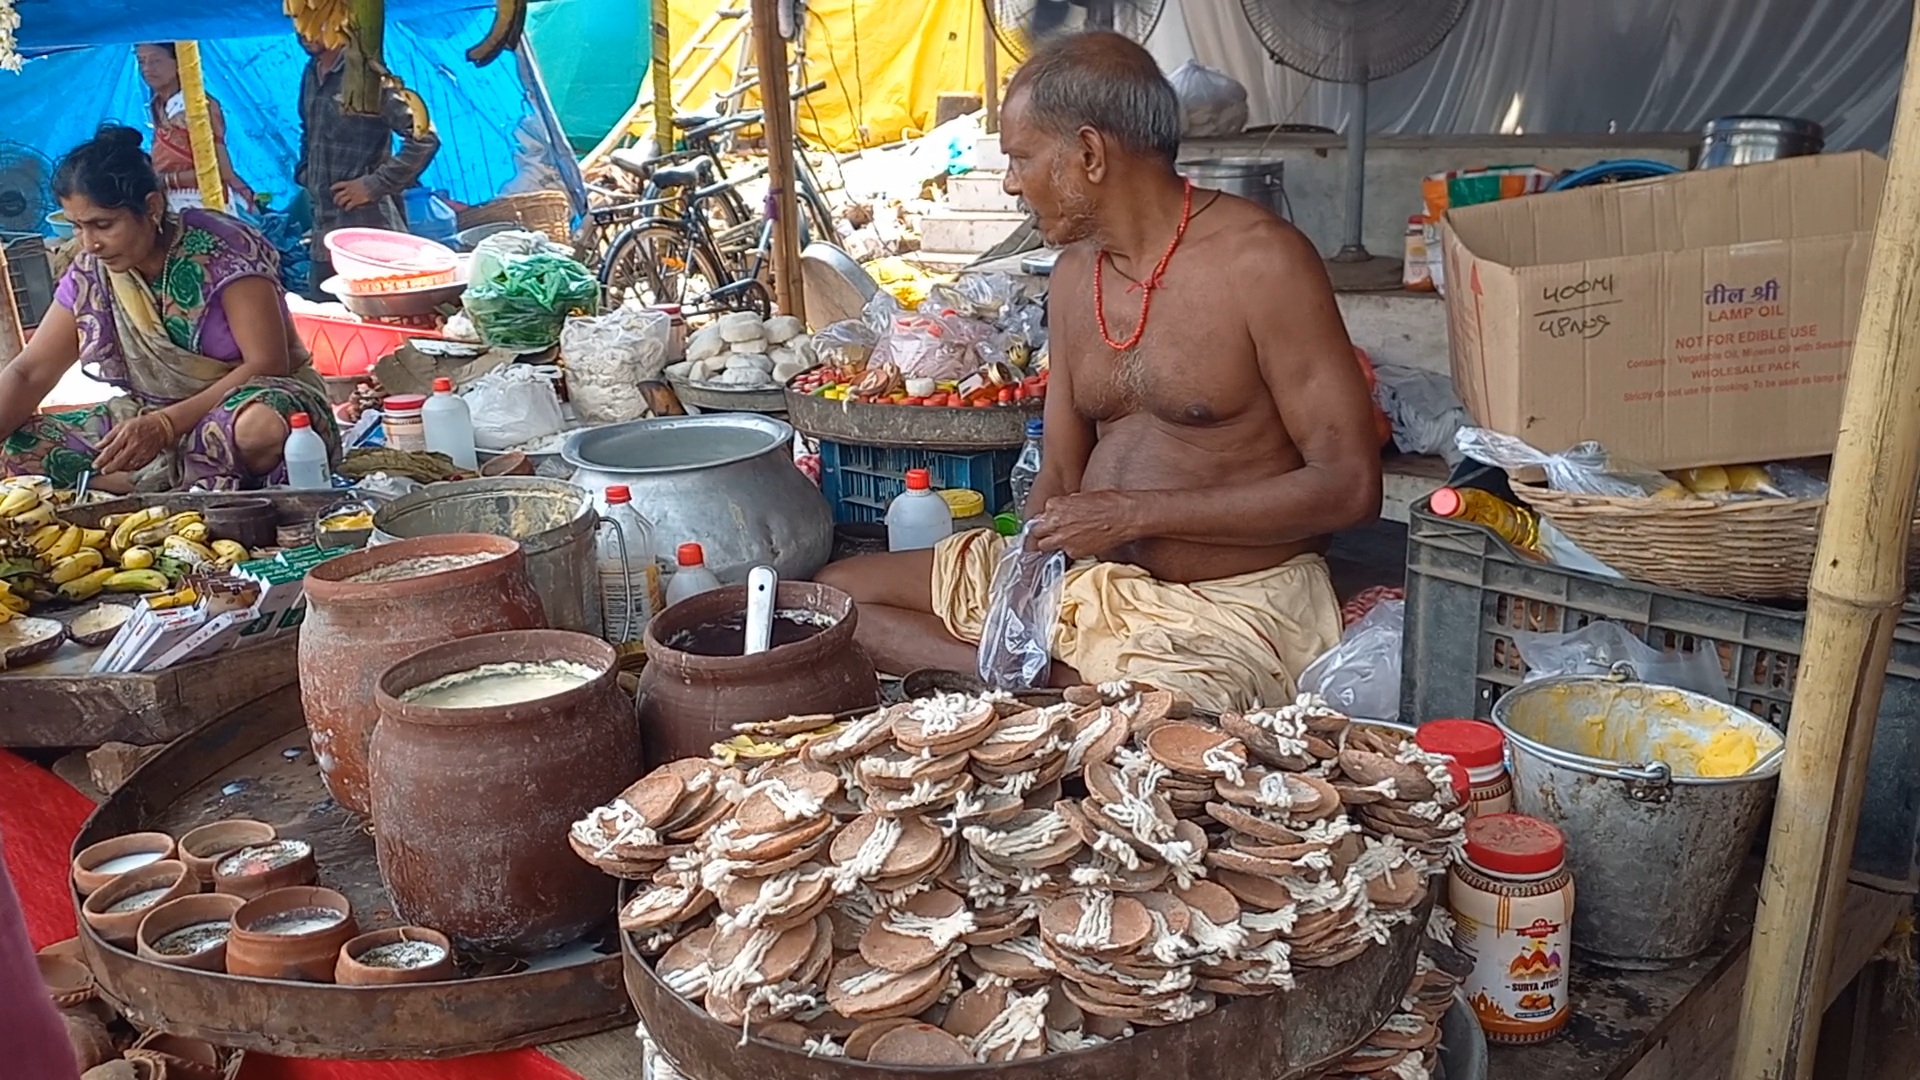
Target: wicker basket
(1751, 549)
(550, 212)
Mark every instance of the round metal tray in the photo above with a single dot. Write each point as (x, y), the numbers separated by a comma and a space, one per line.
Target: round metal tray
(923, 427)
(255, 763)
(713, 399)
(1279, 1037)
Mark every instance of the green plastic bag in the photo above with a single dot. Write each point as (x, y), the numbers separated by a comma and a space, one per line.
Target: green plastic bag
(523, 304)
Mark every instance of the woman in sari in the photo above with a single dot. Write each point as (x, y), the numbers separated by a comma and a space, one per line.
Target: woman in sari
(183, 313)
(172, 144)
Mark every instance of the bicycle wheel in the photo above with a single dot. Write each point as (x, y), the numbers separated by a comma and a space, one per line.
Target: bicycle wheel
(658, 262)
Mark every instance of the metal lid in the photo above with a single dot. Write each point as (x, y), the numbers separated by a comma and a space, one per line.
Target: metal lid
(1515, 844)
(1473, 743)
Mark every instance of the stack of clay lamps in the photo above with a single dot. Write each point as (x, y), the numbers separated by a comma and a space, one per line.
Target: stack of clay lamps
(1407, 1045)
(966, 879)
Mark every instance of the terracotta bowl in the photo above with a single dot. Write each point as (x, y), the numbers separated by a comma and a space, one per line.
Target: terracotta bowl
(201, 848)
(308, 955)
(301, 871)
(102, 862)
(186, 911)
(351, 971)
(69, 948)
(182, 1058)
(168, 879)
(69, 982)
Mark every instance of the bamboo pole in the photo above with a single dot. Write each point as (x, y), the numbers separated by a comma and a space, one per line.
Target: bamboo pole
(662, 65)
(1854, 599)
(206, 160)
(776, 104)
(991, 86)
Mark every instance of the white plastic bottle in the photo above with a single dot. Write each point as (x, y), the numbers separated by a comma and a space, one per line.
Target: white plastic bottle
(625, 613)
(691, 576)
(306, 455)
(449, 425)
(918, 517)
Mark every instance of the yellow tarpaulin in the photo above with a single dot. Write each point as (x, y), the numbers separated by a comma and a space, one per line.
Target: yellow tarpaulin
(884, 62)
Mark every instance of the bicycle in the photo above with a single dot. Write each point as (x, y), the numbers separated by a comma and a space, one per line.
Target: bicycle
(676, 259)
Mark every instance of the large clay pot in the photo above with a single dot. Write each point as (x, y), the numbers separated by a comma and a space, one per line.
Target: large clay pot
(473, 805)
(354, 630)
(691, 700)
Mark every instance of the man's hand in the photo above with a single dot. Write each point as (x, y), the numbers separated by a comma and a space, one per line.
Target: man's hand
(133, 444)
(352, 194)
(1085, 525)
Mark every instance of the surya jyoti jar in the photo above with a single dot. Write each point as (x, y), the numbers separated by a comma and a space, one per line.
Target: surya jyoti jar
(1512, 905)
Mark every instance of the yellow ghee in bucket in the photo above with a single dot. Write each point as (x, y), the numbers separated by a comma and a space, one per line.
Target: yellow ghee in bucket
(1675, 729)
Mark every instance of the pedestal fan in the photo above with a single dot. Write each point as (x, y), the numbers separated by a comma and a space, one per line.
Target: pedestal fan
(1023, 25)
(1353, 41)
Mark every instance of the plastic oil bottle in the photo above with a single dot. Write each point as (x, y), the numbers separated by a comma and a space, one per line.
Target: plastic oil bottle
(630, 592)
(306, 455)
(449, 425)
(691, 576)
(918, 517)
(1515, 524)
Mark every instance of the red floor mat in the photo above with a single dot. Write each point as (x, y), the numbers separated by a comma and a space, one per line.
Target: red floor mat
(39, 815)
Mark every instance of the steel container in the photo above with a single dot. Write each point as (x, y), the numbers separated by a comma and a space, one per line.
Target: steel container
(1255, 179)
(1746, 140)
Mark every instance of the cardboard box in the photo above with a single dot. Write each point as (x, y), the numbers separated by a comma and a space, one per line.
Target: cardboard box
(1705, 318)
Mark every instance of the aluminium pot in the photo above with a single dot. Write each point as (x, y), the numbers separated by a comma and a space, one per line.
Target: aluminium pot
(1255, 179)
(1748, 140)
(354, 630)
(726, 481)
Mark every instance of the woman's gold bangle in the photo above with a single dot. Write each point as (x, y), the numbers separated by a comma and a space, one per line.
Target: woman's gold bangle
(167, 422)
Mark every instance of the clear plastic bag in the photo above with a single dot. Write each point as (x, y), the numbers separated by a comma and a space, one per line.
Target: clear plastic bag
(1583, 469)
(524, 303)
(1361, 675)
(1425, 412)
(1016, 641)
(1212, 102)
(1596, 647)
(513, 405)
(608, 357)
(846, 345)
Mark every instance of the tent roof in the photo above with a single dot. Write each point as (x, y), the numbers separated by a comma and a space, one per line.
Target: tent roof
(63, 24)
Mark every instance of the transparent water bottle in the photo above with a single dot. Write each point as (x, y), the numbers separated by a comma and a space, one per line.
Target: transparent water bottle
(449, 425)
(630, 593)
(1026, 469)
(306, 455)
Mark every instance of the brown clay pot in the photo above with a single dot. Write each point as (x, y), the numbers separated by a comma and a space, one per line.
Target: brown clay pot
(303, 957)
(95, 865)
(473, 804)
(186, 911)
(205, 846)
(92, 1043)
(350, 971)
(301, 871)
(354, 630)
(689, 701)
(170, 876)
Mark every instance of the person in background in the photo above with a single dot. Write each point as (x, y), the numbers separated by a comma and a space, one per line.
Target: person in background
(172, 143)
(33, 1041)
(348, 165)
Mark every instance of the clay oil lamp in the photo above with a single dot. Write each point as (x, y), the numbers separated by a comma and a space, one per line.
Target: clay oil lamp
(190, 932)
(402, 954)
(102, 862)
(115, 909)
(293, 933)
(204, 847)
(178, 1057)
(258, 869)
(69, 982)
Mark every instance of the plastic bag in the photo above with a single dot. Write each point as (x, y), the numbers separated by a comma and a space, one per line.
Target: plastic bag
(1361, 675)
(1596, 647)
(492, 254)
(513, 405)
(1584, 469)
(846, 346)
(524, 304)
(941, 347)
(1423, 408)
(1212, 102)
(608, 357)
(1016, 641)
(983, 296)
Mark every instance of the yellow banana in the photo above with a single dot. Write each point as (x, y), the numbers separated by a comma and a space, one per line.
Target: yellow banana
(136, 558)
(184, 518)
(43, 538)
(185, 550)
(231, 551)
(184, 597)
(41, 515)
(79, 564)
(18, 500)
(87, 586)
(122, 538)
(68, 543)
(141, 581)
(93, 538)
(195, 531)
(16, 604)
(6, 615)
(112, 522)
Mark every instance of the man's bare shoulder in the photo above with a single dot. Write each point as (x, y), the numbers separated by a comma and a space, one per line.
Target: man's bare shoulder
(1254, 244)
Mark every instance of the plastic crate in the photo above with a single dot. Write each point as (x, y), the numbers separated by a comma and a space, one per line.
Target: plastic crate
(1467, 592)
(344, 347)
(859, 481)
(29, 276)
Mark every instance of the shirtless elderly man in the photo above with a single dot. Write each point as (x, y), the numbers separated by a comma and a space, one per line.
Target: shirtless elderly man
(1207, 427)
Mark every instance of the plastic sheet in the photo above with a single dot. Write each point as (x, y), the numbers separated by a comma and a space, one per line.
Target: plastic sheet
(1584, 469)
(1016, 641)
(1425, 413)
(1361, 675)
(1596, 647)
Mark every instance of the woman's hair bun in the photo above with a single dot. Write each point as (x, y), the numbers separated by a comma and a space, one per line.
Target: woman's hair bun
(111, 170)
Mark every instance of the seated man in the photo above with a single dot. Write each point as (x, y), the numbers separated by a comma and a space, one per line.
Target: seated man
(1206, 426)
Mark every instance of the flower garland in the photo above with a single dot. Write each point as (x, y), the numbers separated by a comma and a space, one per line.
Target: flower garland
(9, 22)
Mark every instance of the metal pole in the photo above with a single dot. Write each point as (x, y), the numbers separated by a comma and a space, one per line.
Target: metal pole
(1351, 245)
(776, 103)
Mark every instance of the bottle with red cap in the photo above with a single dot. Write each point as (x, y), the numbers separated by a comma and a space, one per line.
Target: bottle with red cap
(691, 577)
(1517, 525)
(1481, 749)
(305, 455)
(449, 424)
(1512, 904)
(630, 593)
(918, 517)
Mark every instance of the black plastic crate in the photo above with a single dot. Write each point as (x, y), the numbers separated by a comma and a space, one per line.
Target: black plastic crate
(1467, 592)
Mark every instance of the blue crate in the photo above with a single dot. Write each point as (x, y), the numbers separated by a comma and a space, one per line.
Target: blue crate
(861, 480)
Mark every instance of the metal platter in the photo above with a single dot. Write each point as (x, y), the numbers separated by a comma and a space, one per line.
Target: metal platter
(923, 427)
(1278, 1037)
(714, 399)
(255, 762)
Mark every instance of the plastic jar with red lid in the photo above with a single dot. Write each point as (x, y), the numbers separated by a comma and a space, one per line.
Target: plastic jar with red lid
(1481, 749)
(1512, 903)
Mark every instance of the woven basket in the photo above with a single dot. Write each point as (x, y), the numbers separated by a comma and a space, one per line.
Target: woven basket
(1751, 549)
(550, 212)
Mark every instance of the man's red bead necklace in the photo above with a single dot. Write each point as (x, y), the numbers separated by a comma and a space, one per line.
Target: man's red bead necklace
(1147, 286)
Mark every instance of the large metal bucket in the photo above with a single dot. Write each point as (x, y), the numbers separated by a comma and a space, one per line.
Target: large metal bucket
(1654, 849)
(554, 521)
(1250, 178)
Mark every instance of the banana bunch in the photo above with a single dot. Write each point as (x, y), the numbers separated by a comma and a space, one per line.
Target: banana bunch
(150, 551)
(323, 22)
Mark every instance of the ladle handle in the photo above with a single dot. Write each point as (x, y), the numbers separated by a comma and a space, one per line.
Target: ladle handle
(625, 607)
(762, 585)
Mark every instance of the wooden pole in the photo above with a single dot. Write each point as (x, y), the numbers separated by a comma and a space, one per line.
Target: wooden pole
(1854, 599)
(776, 102)
(13, 337)
(206, 160)
(663, 133)
(990, 93)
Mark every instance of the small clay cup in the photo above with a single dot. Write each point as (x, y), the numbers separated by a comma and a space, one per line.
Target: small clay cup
(69, 982)
(205, 846)
(87, 875)
(69, 948)
(351, 972)
(174, 914)
(180, 1057)
(122, 927)
(301, 871)
(308, 957)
